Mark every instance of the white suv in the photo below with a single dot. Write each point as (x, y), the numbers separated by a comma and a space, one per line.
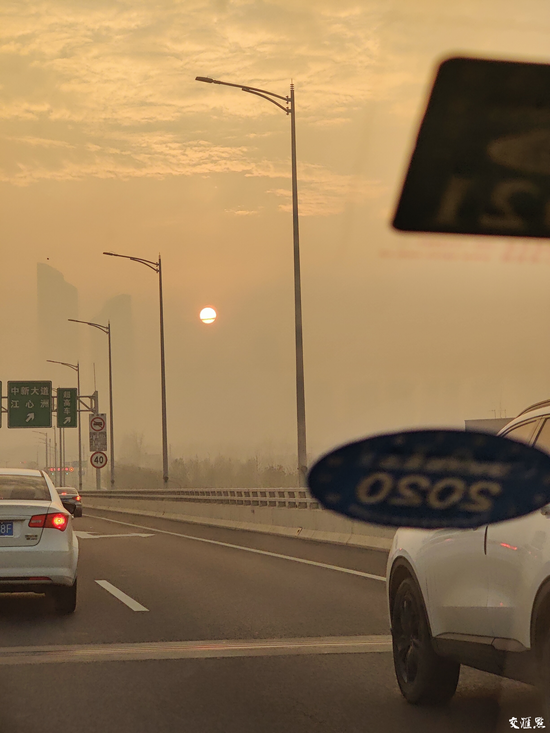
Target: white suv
(479, 597)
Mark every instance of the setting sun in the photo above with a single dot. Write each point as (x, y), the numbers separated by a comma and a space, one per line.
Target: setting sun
(208, 315)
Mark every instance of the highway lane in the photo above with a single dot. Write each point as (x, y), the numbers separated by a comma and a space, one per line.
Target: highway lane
(197, 591)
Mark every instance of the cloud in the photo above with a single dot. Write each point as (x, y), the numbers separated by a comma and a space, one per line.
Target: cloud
(107, 89)
(240, 212)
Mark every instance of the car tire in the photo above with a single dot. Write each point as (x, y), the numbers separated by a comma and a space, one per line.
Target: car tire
(423, 676)
(78, 512)
(543, 676)
(64, 598)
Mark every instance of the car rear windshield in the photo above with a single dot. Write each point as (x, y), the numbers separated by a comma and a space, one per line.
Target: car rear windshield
(24, 487)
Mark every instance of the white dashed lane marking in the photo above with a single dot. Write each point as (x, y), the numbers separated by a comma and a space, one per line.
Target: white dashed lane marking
(117, 593)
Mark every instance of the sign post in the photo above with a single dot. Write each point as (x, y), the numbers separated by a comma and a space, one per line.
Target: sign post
(98, 443)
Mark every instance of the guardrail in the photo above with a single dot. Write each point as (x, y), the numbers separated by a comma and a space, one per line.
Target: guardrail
(290, 512)
(287, 498)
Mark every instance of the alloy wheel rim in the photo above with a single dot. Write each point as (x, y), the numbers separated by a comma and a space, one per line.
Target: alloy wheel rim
(408, 638)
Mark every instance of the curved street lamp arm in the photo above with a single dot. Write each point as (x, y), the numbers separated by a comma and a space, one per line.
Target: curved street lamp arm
(105, 329)
(64, 363)
(244, 87)
(258, 94)
(148, 263)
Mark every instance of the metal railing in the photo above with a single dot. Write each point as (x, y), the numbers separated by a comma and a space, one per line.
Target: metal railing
(278, 498)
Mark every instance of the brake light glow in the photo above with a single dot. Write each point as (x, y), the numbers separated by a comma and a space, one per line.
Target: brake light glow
(50, 521)
(56, 521)
(78, 497)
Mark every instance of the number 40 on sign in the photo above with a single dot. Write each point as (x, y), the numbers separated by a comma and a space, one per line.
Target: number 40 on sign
(98, 459)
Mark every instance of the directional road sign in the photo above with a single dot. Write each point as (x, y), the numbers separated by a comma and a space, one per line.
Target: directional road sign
(67, 407)
(481, 163)
(29, 404)
(98, 432)
(98, 459)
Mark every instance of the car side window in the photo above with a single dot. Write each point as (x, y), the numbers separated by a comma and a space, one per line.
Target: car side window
(543, 438)
(523, 432)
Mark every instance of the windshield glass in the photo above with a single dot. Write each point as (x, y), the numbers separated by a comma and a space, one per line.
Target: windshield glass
(202, 293)
(24, 487)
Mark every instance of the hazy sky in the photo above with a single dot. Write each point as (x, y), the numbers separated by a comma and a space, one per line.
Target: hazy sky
(107, 142)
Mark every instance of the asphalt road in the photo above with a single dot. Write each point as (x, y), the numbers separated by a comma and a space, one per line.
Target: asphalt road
(182, 627)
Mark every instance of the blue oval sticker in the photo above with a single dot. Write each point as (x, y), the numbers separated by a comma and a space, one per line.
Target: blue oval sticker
(433, 479)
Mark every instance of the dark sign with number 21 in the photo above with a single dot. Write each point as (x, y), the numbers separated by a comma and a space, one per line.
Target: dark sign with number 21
(481, 164)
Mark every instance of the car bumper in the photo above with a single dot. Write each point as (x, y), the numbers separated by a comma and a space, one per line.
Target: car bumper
(23, 566)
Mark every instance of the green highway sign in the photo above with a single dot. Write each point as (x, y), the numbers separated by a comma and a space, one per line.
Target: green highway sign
(67, 407)
(29, 404)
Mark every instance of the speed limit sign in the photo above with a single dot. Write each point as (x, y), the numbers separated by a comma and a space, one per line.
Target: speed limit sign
(98, 459)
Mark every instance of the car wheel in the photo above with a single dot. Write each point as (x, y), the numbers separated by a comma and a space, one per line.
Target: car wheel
(423, 676)
(64, 598)
(78, 513)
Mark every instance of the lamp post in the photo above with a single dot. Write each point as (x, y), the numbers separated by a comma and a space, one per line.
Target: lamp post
(46, 439)
(75, 368)
(289, 108)
(157, 267)
(107, 330)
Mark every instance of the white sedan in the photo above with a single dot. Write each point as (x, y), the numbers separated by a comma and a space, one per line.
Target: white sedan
(38, 548)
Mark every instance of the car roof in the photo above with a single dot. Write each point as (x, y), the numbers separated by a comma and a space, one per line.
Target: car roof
(526, 415)
(20, 472)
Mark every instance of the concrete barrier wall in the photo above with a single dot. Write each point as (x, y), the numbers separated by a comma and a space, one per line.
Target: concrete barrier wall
(313, 524)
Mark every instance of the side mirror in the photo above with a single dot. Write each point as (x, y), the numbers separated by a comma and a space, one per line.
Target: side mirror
(69, 507)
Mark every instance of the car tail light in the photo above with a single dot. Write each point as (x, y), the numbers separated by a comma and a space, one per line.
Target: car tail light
(37, 521)
(78, 497)
(50, 521)
(56, 521)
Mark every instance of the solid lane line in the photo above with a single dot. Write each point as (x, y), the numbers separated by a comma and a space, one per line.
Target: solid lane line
(340, 569)
(117, 593)
(90, 536)
(85, 653)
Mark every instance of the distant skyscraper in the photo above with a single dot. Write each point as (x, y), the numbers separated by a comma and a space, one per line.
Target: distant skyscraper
(57, 301)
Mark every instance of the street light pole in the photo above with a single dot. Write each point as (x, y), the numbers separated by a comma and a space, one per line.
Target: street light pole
(163, 382)
(289, 109)
(106, 329)
(40, 432)
(75, 368)
(300, 390)
(55, 481)
(157, 267)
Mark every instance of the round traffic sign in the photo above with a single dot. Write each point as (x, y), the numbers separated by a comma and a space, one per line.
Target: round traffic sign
(97, 423)
(98, 459)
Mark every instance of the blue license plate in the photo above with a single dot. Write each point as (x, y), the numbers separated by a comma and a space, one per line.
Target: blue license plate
(6, 529)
